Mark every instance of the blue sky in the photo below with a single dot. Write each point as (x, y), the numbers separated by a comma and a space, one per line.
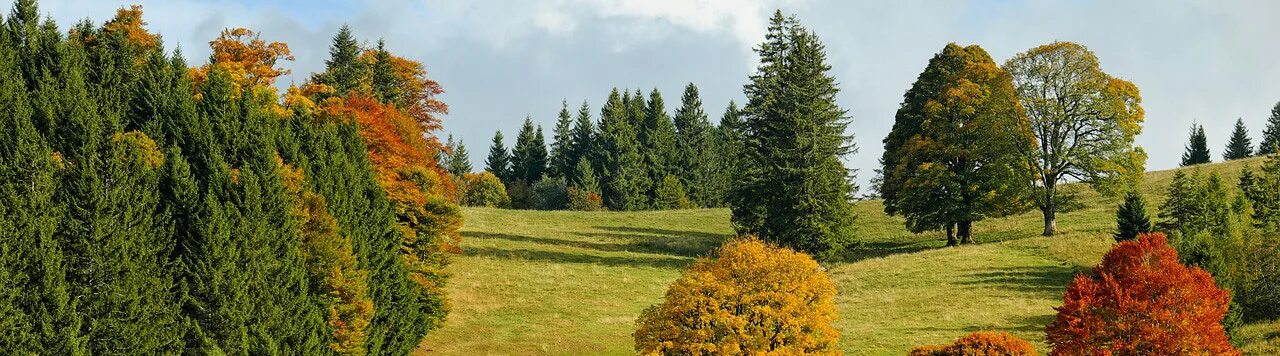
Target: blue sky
(1204, 61)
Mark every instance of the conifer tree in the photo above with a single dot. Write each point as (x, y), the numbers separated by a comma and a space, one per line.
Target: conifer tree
(562, 158)
(385, 86)
(729, 147)
(583, 139)
(659, 142)
(1240, 145)
(796, 191)
(529, 156)
(1197, 151)
(499, 160)
(459, 162)
(622, 166)
(695, 149)
(1271, 136)
(670, 194)
(1132, 218)
(585, 177)
(343, 69)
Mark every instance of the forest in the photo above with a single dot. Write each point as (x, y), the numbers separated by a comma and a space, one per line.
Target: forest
(149, 205)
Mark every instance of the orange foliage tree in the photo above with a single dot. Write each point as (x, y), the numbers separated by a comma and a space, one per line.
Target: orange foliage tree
(128, 24)
(751, 298)
(981, 343)
(248, 58)
(1142, 301)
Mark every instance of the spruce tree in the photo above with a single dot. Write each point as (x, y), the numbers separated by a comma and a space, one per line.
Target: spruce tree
(1132, 218)
(695, 149)
(1197, 151)
(1271, 136)
(659, 142)
(670, 194)
(796, 191)
(562, 158)
(386, 86)
(459, 162)
(529, 156)
(622, 166)
(729, 148)
(583, 139)
(499, 160)
(343, 69)
(585, 177)
(1240, 146)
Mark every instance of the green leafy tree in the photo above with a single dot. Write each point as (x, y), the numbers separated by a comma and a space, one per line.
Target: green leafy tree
(622, 166)
(499, 160)
(1132, 218)
(529, 156)
(1197, 151)
(562, 157)
(795, 191)
(955, 155)
(1271, 136)
(1240, 145)
(1084, 119)
(343, 69)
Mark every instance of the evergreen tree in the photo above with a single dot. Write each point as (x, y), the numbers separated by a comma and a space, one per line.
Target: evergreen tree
(696, 154)
(622, 166)
(1263, 192)
(385, 84)
(343, 69)
(583, 139)
(1132, 218)
(499, 160)
(670, 194)
(1271, 136)
(796, 191)
(529, 157)
(458, 161)
(585, 177)
(730, 139)
(1197, 147)
(659, 142)
(1240, 146)
(562, 156)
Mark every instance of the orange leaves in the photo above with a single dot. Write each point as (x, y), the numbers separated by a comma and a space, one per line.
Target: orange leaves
(128, 22)
(752, 298)
(1142, 301)
(249, 59)
(981, 343)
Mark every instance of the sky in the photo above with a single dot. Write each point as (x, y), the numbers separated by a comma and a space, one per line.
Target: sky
(1208, 62)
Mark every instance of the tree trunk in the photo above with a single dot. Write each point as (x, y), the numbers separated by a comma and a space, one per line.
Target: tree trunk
(951, 236)
(1050, 222)
(965, 231)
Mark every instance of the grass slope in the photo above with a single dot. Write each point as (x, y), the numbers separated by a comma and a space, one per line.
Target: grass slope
(534, 282)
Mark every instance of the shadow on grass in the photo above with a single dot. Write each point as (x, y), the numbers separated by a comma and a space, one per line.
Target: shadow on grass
(674, 246)
(1048, 281)
(563, 257)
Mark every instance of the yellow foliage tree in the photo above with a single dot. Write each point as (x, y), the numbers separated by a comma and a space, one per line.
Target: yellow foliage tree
(248, 58)
(750, 298)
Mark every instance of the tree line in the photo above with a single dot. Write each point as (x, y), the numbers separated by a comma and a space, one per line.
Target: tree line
(1239, 145)
(152, 207)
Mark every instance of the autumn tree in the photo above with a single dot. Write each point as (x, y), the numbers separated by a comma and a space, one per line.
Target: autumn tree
(955, 153)
(484, 189)
(1084, 120)
(1141, 301)
(794, 191)
(751, 297)
(1271, 135)
(1240, 145)
(247, 57)
(980, 343)
(1197, 150)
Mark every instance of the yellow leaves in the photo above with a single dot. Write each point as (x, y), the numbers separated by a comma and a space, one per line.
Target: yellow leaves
(246, 57)
(751, 298)
(128, 22)
(140, 147)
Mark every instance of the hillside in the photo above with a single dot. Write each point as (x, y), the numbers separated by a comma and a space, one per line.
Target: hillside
(534, 282)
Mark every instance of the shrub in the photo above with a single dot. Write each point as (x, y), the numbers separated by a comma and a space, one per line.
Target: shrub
(750, 298)
(484, 189)
(1141, 301)
(584, 200)
(549, 194)
(521, 195)
(981, 343)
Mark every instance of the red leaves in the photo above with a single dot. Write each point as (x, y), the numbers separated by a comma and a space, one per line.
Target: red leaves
(980, 343)
(1142, 301)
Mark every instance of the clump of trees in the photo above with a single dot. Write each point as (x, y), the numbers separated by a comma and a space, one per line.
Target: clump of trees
(980, 343)
(751, 297)
(156, 208)
(1142, 301)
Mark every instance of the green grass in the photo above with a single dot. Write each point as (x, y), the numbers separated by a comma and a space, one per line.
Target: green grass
(533, 282)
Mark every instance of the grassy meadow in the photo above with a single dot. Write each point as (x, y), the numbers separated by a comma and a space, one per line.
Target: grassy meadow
(572, 283)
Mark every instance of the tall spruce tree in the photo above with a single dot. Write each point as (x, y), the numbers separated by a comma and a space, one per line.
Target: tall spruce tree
(955, 153)
(583, 139)
(562, 158)
(529, 156)
(622, 166)
(796, 191)
(458, 161)
(730, 139)
(499, 160)
(658, 141)
(1240, 145)
(1197, 151)
(696, 153)
(1271, 135)
(343, 69)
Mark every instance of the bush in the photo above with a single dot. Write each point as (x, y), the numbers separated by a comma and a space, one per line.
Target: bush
(1141, 301)
(750, 298)
(484, 189)
(981, 343)
(550, 194)
(584, 200)
(521, 195)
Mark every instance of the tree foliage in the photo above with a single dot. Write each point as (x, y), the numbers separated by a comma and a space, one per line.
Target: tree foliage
(751, 297)
(980, 343)
(484, 189)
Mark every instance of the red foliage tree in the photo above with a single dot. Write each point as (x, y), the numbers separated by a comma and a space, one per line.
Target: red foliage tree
(1142, 301)
(980, 343)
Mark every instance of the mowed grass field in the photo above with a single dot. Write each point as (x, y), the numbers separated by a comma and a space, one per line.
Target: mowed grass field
(573, 283)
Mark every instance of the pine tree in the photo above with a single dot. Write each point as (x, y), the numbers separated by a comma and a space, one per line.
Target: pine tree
(622, 166)
(585, 177)
(457, 161)
(583, 139)
(343, 69)
(670, 194)
(1271, 136)
(796, 191)
(659, 141)
(529, 157)
(1240, 146)
(386, 86)
(1197, 148)
(1132, 218)
(499, 160)
(695, 149)
(562, 158)
(729, 147)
